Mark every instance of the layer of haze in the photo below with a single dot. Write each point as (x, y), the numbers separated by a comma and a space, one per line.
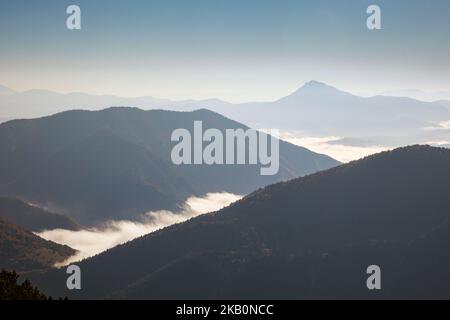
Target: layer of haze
(93, 241)
(331, 146)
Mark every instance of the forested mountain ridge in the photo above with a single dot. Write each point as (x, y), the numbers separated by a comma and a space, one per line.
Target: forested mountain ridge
(116, 163)
(302, 238)
(23, 251)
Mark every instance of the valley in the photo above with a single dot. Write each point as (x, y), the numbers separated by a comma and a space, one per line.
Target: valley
(223, 159)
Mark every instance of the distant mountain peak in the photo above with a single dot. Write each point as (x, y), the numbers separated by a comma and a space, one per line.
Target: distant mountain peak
(314, 88)
(317, 85)
(314, 83)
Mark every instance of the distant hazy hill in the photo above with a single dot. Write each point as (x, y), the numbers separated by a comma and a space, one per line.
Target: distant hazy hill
(23, 251)
(116, 163)
(5, 91)
(33, 218)
(324, 110)
(315, 109)
(419, 94)
(307, 238)
(38, 103)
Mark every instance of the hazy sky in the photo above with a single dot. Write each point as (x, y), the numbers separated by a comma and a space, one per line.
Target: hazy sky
(230, 49)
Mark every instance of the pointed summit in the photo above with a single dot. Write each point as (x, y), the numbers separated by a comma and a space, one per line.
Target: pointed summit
(316, 84)
(314, 89)
(317, 87)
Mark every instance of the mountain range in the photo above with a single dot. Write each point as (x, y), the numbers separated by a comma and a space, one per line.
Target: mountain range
(33, 218)
(23, 251)
(115, 163)
(315, 109)
(419, 94)
(319, 110)
(310, 237)
(20, 249)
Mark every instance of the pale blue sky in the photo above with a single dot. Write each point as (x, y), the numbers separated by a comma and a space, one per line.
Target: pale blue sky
(230, 49)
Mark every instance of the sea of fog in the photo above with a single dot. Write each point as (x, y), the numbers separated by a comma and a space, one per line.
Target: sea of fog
(89, 242)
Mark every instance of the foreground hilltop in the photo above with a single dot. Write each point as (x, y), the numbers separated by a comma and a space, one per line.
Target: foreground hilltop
(308, 237)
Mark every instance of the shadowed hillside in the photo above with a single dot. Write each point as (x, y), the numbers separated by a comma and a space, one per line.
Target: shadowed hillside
(33, 218)
(115, 163)
(308, 237)
(21, 250)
